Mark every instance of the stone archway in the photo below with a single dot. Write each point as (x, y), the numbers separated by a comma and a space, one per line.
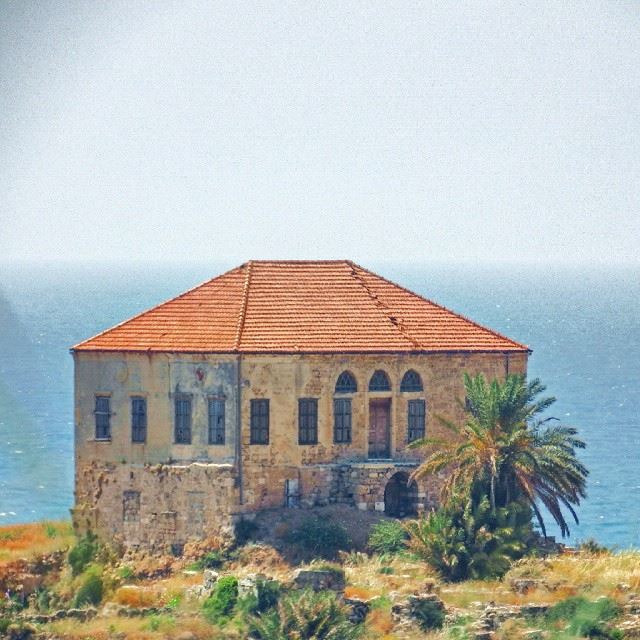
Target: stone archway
(400, 496)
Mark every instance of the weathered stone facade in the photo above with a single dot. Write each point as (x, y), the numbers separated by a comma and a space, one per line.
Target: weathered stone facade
(158, 493)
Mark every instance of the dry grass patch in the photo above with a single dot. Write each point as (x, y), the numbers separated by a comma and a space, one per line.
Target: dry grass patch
(33, 540)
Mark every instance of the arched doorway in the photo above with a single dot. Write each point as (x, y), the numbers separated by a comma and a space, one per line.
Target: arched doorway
(400, 496)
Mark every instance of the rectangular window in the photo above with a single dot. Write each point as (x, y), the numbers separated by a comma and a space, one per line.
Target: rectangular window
(103, 418)
(131, 506)
(183, 420)
(416, 419)
(342, 420)
(216, 421)
(307, 421)
(138, 419)
(259, 422)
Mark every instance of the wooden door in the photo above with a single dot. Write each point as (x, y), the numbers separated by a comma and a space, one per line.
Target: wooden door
(379, 428)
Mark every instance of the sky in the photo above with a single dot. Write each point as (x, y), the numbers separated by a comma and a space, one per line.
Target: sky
(381, 132)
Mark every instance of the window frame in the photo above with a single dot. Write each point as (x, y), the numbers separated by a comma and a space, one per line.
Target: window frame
(307, 421)
(214, 431)
(411, 382)
(179, 429)
(374, 381)
(138, 420)
(102, 432)
(342, 412)
(344, 379)
(259, 417)
(416, 421)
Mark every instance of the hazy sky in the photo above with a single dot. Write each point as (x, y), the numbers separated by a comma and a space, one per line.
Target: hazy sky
(378, 131)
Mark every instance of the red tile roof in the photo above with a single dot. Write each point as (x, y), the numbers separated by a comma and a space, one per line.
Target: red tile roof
(298, 306)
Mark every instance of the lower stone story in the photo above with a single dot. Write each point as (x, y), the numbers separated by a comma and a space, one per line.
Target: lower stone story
(162, 507)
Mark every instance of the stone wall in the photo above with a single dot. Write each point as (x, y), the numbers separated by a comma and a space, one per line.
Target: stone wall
(155, 507)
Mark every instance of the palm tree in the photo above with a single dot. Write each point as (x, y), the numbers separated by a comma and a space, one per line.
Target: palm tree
(505, 447)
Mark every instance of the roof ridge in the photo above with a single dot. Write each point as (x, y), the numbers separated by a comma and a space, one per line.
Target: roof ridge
(380, 304)
(243, 307)
(160, 304)
(435, 304)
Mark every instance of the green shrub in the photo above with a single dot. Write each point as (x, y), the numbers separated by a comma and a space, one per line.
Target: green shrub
(126, 572)
(210, 560)
(429, 614)
(219, 606)
(245, 530)
(83, 553)
(585, 618)
(320, 538)
(593, 546)
(268, 594)
(387, 536)
(4, 625)
(305, 616)
(386, 571)
(90, 591)
(470, 541)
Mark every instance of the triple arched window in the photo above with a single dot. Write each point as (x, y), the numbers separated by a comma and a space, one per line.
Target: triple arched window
(379, 381)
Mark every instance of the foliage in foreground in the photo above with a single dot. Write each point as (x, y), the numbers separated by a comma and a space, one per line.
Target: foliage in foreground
(320, 538)
(584, 618)
(91, 589)
(505, 448)
(471, 541)
(305, 616)
(387, 536)
(219, 606)
(83, 553)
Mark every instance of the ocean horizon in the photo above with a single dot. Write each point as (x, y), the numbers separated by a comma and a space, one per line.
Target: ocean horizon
(582, 323)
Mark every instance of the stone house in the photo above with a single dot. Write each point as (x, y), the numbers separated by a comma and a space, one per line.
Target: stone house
(293, 383)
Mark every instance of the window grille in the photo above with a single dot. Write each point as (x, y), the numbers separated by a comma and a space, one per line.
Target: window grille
(416, 419)
(411, 381)
(379, 381)
(307, 421)
(342, 420)
(138, 419)
(259, 422)
(346, 383)
(103, 417)
(216, 421)
(183, 420)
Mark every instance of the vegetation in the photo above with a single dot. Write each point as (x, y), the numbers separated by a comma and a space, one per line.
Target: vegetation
(305, 616)
(91, 589)
(584, 618)
(506, 450)
(219, 606)
(388, 536)
(83, 553)
(320, 538)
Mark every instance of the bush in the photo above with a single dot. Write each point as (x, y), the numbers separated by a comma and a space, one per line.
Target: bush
(429, 614)
(305, 616)
(90, 591)
(387, 536)
(245, 530)
(320, 538)
(268, 594)
(470, 541)
(585, 618)
(594, 547)
(219, 606)
(210, 560)
(83, 553)
(126, 572)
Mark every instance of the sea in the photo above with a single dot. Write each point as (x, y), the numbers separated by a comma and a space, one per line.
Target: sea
(582, 323)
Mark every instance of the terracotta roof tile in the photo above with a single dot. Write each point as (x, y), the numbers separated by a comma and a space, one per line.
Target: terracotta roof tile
(288, 306)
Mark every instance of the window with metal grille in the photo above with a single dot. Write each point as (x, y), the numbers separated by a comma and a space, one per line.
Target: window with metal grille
(411, 381)
(216, 421)
(346, 383)
(103, 418)
(307, 421)
(259, 422)
(342, 420)
(183, 420)
(138, 419)
(379, 381)
(416, 419)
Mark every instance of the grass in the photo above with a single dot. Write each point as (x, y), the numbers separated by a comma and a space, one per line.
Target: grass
(30, 541)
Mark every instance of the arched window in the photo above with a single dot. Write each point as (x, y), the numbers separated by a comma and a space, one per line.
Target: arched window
(346, 383)
(411, 381)
(379, 381)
